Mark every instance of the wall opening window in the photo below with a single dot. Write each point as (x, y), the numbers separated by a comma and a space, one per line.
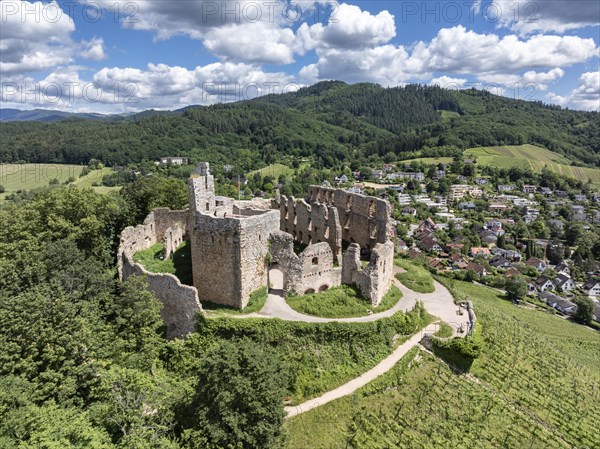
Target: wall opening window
(315, 261)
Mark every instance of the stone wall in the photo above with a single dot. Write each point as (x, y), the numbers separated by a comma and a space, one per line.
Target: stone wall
(180, 302)
(201, 190)
(310, 271)
(173, 238)
(376, 278)
(311, 224)
(364, 219)
(229, 255)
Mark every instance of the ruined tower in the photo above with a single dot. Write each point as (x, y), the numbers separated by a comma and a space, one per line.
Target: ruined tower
(201, 190)
(229, 244)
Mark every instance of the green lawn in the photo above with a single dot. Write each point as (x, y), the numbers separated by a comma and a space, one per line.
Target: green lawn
(273, 170)
(536, 385)
(342, 301)
(255, 304)
(180, 264)
(531, 157)
(416, 277)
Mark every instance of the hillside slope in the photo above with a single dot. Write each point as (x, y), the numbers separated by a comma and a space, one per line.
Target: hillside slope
(331, 122)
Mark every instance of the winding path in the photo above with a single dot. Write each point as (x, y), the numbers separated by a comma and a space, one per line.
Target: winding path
(350, 387)
(440, 304)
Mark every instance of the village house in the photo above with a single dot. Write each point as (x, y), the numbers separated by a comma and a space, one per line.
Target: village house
(479, 251)
(536, 263)
(527, 188)
(564, 283)
(417, 176)
(479, 269)
(562, 305)
(430, 244)
(563, 268)
(500, 262)
(506, 187)
(342, 179)
(592, 288)
(467, 206)
(403, 199)
(580, 197)
(173, 160)
(411, 211)
(543, 283)
(546, 191)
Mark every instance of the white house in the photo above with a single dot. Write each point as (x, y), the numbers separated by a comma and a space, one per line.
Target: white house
(564, 283)
(592, 288)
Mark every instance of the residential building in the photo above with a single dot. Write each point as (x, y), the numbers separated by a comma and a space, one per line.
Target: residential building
(529, 188)
(564, 283)
(536, 263)
(506, 187)
(592, 287)
(173, 160)
(479, 251)
(500, 262)
(479, 269)
(560, 304)
(417, 176)
(543, 283)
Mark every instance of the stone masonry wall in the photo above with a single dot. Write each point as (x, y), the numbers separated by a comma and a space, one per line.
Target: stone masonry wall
(229, 256)
(180, 302)
(310, 271)
(376, 278)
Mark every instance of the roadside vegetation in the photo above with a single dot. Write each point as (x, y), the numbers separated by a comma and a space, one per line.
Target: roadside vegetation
(342, 301)
(416, 277)
(535, 385)
(255, 304)
(318, 356)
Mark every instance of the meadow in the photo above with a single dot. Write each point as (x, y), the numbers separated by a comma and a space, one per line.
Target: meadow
(416, 277)
(180, 264)
(342, 301)
(531, 157)
(535, 385)
(16, 177)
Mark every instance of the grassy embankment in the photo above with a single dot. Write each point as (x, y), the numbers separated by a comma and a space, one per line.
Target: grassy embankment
(536, 385)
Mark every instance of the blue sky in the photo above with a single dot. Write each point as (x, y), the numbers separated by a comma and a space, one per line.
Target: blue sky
(118, 56)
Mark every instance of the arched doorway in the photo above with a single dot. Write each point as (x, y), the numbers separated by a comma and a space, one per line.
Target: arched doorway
(275, 280)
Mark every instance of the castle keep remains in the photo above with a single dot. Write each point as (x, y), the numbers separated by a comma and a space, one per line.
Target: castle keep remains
(330, 238)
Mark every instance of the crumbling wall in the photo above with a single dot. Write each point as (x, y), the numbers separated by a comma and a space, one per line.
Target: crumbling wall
(173, 238)
(332, 215)
(364, 219)
(229, 256)
(375, 279)
(180, 302)
(310, 271)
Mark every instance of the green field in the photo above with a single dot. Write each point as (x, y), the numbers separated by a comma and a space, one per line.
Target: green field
(15, 177)
(428, 160)
(274, 170)
(536, 385)
(416, 277)
(531, 157)
(341, 302)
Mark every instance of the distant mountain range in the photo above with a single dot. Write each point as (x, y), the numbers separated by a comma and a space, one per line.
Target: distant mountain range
(51, 116)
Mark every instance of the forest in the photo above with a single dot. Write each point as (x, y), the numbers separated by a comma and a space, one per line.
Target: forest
(330, 122)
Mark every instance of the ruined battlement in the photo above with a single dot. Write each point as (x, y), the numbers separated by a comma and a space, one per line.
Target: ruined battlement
(235, 243)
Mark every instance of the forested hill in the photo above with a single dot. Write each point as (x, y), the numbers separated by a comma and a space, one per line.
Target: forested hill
(330, 122)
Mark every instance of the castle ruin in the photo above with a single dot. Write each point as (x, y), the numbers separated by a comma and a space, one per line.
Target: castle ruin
(331, 237)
